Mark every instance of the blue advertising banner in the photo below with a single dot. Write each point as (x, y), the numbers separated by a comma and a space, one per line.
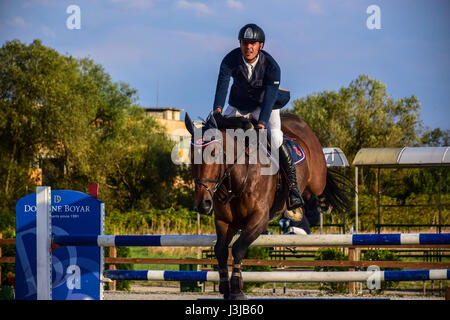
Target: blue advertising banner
(76, 271)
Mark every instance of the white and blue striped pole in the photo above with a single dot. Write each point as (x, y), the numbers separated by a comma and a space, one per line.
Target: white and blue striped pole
(261, 241)
(282, 276)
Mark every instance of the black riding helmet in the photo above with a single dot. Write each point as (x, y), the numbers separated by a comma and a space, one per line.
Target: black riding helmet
(251, 32)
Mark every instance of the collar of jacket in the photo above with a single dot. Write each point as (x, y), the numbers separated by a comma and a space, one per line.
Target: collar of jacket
(256, 70)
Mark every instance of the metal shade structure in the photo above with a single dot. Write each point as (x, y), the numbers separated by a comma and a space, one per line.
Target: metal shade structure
(412, 157)
(408, 157)
(335, 157)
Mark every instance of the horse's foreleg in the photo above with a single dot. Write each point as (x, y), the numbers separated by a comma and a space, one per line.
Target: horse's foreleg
(224, 237)
(239, 250)
(221, 251)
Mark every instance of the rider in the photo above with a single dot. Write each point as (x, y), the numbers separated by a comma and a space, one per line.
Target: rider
(255, 93)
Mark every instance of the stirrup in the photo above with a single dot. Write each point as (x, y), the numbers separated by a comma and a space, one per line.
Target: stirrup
(297, 200)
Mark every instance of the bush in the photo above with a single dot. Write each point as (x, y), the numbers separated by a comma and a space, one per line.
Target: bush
(177, 220)
(331, 254)
(7, 251)
(121, 252)
(255, 253)
(381, 255)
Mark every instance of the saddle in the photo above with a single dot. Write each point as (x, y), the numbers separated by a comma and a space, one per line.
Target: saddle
(297, 153)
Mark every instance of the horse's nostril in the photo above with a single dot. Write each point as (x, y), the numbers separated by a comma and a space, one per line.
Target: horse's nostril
(205, 206)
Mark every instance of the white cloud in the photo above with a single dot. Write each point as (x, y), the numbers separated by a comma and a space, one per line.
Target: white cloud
(48, 32)
(17, 22)
(315, 7)
(197, 7)
(113, 54)
(32, 3)
(235, 4)
(136, 4)
(205, 42)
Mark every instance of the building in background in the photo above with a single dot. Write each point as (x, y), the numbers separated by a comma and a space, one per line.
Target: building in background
(169, 118)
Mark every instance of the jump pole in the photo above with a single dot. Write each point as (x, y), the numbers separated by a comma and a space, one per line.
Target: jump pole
(44, 236)
(284, 276)
(261, 241)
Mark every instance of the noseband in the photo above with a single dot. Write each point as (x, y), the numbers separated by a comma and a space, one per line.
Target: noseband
(218, 193)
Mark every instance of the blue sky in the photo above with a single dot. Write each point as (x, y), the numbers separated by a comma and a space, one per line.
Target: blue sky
(319, 44)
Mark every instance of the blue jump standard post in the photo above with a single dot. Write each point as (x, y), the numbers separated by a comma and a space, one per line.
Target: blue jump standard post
(67, 273)
(48, 213)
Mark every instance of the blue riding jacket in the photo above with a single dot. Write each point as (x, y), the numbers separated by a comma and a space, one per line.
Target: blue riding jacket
(261, 90)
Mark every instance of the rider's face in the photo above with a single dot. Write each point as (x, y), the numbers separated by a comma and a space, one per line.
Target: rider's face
(250, 50)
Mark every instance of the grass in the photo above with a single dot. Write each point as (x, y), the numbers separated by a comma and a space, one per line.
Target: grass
(161, 253)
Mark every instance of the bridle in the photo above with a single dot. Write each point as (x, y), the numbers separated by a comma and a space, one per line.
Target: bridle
(216, 192)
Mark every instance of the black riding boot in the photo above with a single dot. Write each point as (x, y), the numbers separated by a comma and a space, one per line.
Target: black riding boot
(294, 198)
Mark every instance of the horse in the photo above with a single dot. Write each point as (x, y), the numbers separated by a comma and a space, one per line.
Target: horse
(244, 200)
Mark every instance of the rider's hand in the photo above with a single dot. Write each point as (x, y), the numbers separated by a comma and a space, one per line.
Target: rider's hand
(217, 111)
(261, 126)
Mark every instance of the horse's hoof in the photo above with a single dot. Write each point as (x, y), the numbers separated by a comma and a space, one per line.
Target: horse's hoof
(238, 296)
(295, 230)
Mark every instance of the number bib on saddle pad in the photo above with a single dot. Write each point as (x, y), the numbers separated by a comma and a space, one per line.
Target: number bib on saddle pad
(297, 153)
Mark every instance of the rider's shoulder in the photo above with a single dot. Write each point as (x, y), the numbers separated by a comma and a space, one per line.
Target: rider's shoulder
(233, 54)
(270, 60)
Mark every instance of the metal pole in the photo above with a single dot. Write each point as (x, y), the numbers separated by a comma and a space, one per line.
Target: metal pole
(321, 222)
(356, 210)
(343, 215)
(198, 232)
(356, 199)
(343, 212)
(439, 200)
(379, 200)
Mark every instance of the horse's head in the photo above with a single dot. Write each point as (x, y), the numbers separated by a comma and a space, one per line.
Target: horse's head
(206, 161)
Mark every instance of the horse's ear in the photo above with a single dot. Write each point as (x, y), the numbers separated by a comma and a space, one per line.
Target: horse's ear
(212, 120)
(189, 125)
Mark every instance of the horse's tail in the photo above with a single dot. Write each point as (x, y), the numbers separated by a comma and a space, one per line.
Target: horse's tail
(334, 195)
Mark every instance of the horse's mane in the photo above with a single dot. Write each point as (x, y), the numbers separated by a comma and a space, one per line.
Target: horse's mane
(234, 122)
(244, 123)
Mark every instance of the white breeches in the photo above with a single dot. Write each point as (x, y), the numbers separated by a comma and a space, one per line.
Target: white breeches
(273, 126)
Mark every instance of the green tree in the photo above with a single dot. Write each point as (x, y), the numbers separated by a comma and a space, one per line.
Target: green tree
(68, 117)
(137, 167)
(38, 101)
(436, 137)
(364, 115)
(361, 115)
